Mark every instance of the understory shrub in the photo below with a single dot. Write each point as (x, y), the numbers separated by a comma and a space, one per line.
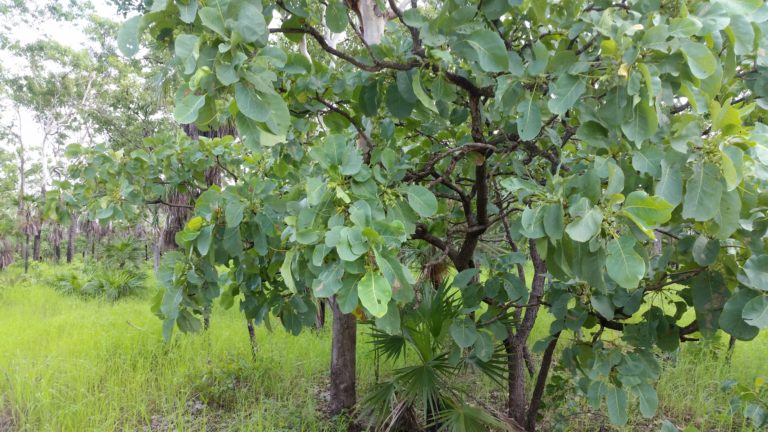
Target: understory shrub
(117, 275)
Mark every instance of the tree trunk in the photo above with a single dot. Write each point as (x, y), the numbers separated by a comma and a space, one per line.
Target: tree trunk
(320, 317)
(36, 247)
(252, 338)
(156, 255)
(71, 240)
(541, 381)
(57, 253)
(26, 253)
(516, 406)
(343, 358)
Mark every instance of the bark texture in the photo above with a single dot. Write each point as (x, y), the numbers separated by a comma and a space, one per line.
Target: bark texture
(343, 357)
(71, 239)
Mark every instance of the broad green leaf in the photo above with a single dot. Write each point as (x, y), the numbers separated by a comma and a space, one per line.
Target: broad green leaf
(741, 7)
(250, 23)
(709, 295)
(646, 211)
(397, 104)
(159, 5)
(421, 95)
(565, 92)
(464, 332)
(204, 240)
(648, 398)
(251, 103)
(648, 161)
(732, 164)
(705, 251)
(641, 124)
(316, 187)
(375, 292)
(727, 217)
(756, 270)
(390, 322)
(187, 51)
(586, 227)
(212, 18)
(756, 312)
(187, 108)
(128, 36)
(731, 318)
(188, 11)
(616, 400)
(553, 221)
(422, 200)
(528, 120)
(532, 222)
(701, 61)
(347, 296)
(328, 282)
(625, 266)
(287, 273)
(483, 347)
(603, 305)
(233, 213)
(464, 277)
(670, 186)
(702, 193)
(369, 99)
(336, 17)
(490, 49)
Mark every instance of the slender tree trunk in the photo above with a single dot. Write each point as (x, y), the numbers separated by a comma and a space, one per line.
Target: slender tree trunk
(541, 381)
(156, 254)
(516, 405)
(320, 317)
(252, 338)
(731, 348)
(93, 247)
(515, 345)
(71, 240)
(343, 359)
(36, 247)
(57, 253)
(26, 253)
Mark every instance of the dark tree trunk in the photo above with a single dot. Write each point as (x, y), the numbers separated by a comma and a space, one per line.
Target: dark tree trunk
(516, 406)
(93, 248)
(320, 317)
(36, 248)
(146, 252)
(343, 358)
(71, 240)
(731, 348)
(541, 381)
(252, 338)
(156, 255)
(57, 253)
(26, 253)
(206, 318)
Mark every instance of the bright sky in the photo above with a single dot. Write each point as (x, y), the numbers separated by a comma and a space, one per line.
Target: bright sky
(65, 33)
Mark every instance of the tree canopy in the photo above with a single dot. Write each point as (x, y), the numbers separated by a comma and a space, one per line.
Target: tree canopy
(604, 162)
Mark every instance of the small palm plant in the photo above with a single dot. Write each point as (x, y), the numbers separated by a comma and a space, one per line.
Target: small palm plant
(425, 393)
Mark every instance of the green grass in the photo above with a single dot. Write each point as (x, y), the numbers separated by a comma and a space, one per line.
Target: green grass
(69, 364)
(76, 365)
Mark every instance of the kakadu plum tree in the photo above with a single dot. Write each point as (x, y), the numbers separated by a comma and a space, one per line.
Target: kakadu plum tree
(604, 162)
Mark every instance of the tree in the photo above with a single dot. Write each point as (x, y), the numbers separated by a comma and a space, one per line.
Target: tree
(613, 149)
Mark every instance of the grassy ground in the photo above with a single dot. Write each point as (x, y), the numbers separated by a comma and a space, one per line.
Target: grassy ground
(68, 364)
